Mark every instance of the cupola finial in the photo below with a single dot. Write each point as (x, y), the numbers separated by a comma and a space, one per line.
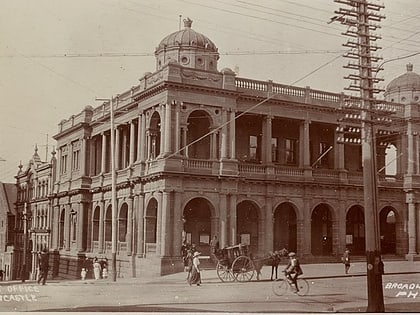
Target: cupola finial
(187, 22)
(409, 67)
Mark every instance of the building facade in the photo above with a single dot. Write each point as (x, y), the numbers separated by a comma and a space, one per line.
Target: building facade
(34, 220)
(7, 228)
(202, 152)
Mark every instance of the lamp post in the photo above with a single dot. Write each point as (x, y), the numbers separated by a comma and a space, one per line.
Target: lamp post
(113, 189)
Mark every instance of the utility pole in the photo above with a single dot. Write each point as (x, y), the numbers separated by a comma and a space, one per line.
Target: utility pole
(358, 18)
(113, 190)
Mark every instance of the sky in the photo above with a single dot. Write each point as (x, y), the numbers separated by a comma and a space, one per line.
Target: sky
(58, 56)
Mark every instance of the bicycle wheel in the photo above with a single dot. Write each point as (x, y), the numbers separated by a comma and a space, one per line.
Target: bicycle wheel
(279, 287)
(303, 287)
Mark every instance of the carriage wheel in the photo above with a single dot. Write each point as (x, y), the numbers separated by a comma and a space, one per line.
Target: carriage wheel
(224, 273)
(243, 269)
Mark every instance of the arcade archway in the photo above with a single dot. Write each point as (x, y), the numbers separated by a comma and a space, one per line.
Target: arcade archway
(321, 230)
(285, 228)
(247, 222)
(388, 237)
(197, 224)
(355, 230)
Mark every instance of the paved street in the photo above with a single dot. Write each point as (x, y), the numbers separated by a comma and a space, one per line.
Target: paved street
(330, 291)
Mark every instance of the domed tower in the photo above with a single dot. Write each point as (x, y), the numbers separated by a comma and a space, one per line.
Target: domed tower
(188, 48)
(404, 89)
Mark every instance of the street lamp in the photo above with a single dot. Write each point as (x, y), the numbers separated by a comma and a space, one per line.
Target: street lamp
(113, 189)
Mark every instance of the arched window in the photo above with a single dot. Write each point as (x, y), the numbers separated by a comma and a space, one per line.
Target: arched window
(122, 223)
(108, 224)
(95, 224)
(61, 229)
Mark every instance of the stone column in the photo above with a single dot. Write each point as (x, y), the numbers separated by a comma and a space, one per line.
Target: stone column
(305, 152)
(80, 217)
(103, 153)
(162, 129)
(129, 238)
(83, 156)
(140, 225)
(177, 129)
(232, 135)
(267, 243)
(142, 143)
(178, 224)
(214, 145)
(338, 154)
(267, 136)
(124, 157)
(166, 232)
(223, 237)
(224, 136)
(232, 219)
(117, 148)
(168, 130)
(160, 230)
(412, 237)
(132, 143)
(184, 141)
(67, 223)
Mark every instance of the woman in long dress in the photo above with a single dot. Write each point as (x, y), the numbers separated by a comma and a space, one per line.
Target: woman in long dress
(195, 277)
(96, 269)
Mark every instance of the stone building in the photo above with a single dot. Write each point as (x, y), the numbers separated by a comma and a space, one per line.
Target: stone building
(7, 227)
(34, 205)
(202, 152)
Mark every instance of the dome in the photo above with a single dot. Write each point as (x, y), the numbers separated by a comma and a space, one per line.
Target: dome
(186, 37)
(408, 81)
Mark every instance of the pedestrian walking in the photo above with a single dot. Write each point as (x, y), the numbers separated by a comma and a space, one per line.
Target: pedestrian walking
(188, 262)
(83, 274)
(105, 268)
(214, 247)
(346, 260)
(96, 268)
(43, 265)
(195, 277)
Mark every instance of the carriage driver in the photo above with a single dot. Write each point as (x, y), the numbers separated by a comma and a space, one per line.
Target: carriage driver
(293, 269)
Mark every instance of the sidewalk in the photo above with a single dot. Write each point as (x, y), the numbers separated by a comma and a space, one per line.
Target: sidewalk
(310, 271)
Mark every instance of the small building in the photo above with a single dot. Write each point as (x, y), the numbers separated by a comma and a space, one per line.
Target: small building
(7, 228)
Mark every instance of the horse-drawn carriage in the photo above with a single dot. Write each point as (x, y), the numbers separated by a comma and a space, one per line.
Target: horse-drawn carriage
(235, 263)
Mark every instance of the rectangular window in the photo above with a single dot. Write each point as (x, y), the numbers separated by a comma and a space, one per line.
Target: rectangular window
(63, 164)
(274, 150)
(254, 150)
(290, 151)
(75, 159)
(323, 156)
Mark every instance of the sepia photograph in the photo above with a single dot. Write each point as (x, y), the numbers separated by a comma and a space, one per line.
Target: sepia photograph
(225, 156)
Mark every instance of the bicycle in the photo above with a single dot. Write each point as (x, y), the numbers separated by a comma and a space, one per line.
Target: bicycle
(282, 285)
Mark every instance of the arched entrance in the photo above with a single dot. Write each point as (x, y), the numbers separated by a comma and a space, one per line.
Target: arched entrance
(247, 225)
(198, 126)
(321, 230)
(355, 230)
(387, 221)
(285, 228)
(197, 224)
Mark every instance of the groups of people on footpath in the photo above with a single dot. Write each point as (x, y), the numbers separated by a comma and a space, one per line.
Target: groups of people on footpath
(99, 267)
(190, 257)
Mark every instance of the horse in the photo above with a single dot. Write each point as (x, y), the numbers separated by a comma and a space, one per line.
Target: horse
(273, 259)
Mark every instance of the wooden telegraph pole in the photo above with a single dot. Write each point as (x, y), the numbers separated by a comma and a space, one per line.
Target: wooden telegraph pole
(359, 17)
